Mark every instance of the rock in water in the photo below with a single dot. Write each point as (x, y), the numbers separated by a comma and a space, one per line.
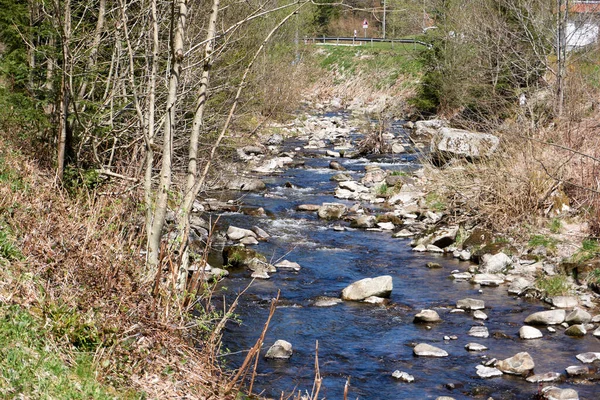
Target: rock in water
(427, 316)
(547, 377)
(331, 211)
(281, 349)
(519, 364)
(550, 317)
(576, 330)
(554, 393)
(426, 350)
(403, 376)
(471, 304)
(475, 347)
(529, 332)
(381, 287)
(487, 372)
(479, 331)
(588, 358)
(578, 316)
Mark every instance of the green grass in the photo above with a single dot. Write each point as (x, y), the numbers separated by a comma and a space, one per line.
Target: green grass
(385, 63)
(556, 285)
(588, 250)
(399, 173)
(32, 367)
(544, 241)
(435, 202)
(555, 225)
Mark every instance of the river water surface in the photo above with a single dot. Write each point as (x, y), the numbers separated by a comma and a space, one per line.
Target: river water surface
(368, 342)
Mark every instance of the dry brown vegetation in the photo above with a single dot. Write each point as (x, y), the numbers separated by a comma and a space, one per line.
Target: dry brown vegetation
(81, 258)
(537, 172)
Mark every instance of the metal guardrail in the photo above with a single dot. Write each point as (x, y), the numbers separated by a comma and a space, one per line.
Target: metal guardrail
(360, 40)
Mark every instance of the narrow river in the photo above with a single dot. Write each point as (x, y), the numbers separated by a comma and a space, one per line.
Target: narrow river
(368, 342)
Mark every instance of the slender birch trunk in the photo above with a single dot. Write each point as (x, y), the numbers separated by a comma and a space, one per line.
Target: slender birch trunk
(191, 190)
(178, 23)
(65, 25)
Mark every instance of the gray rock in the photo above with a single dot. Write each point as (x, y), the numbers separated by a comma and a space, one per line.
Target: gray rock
(493, 264)
(353, 186)
(597, 332)
(550, 317)
(426, 350)
(449, 143)
(480, 315)
(360, 290)
(576, 330)
(471, 304)
(364, 221)
(578, 316)
(444, 398)
(433, 249)
(488, 279)
(340, 177)
(518, 285)
(274, 140)
(554, 393)
(420, 248)
(475, 347)
(323, 301)
(433, 265)
(487, 372)
(547, 377)
(564, 301)
(235, 233)
(308, 207)
(519, 364)
(588, 358)
(529, 332)
(461, 276)
(260, 274)
(245, 184)
(426, 129)
(577, 370)
(331, 211)
(427, 316)
(464, 255)
(386, 226)
(281, 349)
(479, 331)
(249, 241)
(288, 265)
(403, 376)
(374, 300)
(260, 233)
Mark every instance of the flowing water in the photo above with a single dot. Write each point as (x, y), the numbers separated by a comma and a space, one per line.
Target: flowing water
(368, 342)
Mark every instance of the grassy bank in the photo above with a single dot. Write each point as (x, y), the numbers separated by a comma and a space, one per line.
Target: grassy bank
(76, 320)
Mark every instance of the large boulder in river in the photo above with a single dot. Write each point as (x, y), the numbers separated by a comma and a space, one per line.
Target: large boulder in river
(519, 364)
(450, 143)
(331, 211)
(380, 286)
(550, 317)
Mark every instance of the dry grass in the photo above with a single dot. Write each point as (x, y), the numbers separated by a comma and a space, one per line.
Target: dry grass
(81, 254)
(536, 171)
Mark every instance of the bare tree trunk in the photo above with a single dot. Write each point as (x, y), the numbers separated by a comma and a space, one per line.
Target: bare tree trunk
(561, 50)
(150, 132)
(191, 190)
(65, 24)
(178, 22)
(95, 44)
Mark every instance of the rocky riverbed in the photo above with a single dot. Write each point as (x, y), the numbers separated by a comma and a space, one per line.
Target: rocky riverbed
(401, 297)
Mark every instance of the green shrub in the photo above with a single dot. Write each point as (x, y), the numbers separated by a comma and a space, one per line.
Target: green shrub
(556, 285)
